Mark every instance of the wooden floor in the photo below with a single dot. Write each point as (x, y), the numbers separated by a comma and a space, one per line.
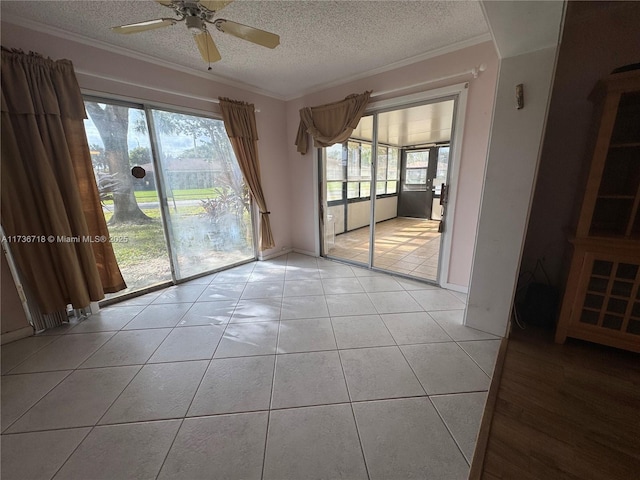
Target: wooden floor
(567, 411)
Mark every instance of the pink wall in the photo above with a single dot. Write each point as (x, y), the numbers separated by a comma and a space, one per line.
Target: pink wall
(287, 176)
(597, 37)
(474, 149)
(99, 62)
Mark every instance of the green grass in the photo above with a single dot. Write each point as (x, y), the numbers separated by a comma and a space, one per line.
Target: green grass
(142, 256)
(147, 196)
(145, 240)
(145, 243)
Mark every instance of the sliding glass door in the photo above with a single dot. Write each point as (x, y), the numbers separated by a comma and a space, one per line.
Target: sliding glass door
(208, 209)
(382, 190)
(347, 185)
(118, 139)
(172, 192)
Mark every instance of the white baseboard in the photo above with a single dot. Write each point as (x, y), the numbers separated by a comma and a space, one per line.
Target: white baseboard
(455, 288)
(274, 254)
(305, 252)
(23, 332)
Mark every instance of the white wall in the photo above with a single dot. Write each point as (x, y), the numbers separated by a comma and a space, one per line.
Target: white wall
(386, 208)
(337, 214)
(473, 152)
(359, 213)
(116, 74)
(516, 137)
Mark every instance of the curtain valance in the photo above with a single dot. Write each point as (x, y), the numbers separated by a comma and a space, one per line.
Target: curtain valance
(331, 123)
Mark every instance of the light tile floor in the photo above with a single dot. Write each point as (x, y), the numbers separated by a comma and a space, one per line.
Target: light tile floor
(286, 369)
(402, 245)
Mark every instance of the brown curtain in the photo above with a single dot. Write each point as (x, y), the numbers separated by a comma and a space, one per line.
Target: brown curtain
(49, 193)
(240, 123)
(331, 123)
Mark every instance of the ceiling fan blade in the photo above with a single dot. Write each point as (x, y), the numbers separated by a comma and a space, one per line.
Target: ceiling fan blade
(207, 48)
(251, 34)
(214, 5)
(144, 26)
(166, 3)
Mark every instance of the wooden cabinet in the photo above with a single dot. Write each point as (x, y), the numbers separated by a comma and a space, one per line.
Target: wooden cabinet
(602, 296)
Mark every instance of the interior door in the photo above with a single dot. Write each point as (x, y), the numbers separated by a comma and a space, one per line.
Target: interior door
(416, 183)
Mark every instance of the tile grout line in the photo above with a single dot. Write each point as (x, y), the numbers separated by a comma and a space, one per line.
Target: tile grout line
(175, 437)
(448, 430)
(473, 360)
(33, 353)
(353, 414)
(74, 450)
(4, 430)
(146, 362)
(404, 356)
(182, 418)
(273, 379)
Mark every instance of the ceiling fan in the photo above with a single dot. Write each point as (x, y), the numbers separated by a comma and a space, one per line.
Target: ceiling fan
(196, 15)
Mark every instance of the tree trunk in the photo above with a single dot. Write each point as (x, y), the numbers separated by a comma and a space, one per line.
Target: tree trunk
(112, 123)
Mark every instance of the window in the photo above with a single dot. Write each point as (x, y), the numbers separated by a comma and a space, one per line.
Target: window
(416, 170)
(348, 171)
(359, 170)
(442, 168)
(205, 211)
(387, 174)
(334, 167)
(118, 137)
(210, 212)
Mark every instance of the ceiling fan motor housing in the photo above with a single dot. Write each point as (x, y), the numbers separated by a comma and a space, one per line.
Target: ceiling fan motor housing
(195, 24)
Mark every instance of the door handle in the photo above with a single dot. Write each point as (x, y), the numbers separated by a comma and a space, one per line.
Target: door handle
(444, 193)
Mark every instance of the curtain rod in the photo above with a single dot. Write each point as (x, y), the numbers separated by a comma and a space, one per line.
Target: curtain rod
(475, 71)
(148, 87)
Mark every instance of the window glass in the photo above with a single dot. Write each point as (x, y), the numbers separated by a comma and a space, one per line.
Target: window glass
(209, 206)
(392, 164)
(119, 140)
(352, 190)
(353, 162)
(418, 159)
(381, 173)
(416, 176)
(334, 191)
(334, 163)
(365, 161)
(207, 214)
(392, 187)
(441, 171)
(365, 189)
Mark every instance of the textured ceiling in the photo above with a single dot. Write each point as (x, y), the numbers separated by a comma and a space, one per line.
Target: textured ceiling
(321, 42)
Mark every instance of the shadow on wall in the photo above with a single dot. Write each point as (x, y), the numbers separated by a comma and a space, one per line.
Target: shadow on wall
(597, 38)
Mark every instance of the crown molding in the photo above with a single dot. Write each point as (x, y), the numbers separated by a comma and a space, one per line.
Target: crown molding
(99, 44)
(393, 66)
